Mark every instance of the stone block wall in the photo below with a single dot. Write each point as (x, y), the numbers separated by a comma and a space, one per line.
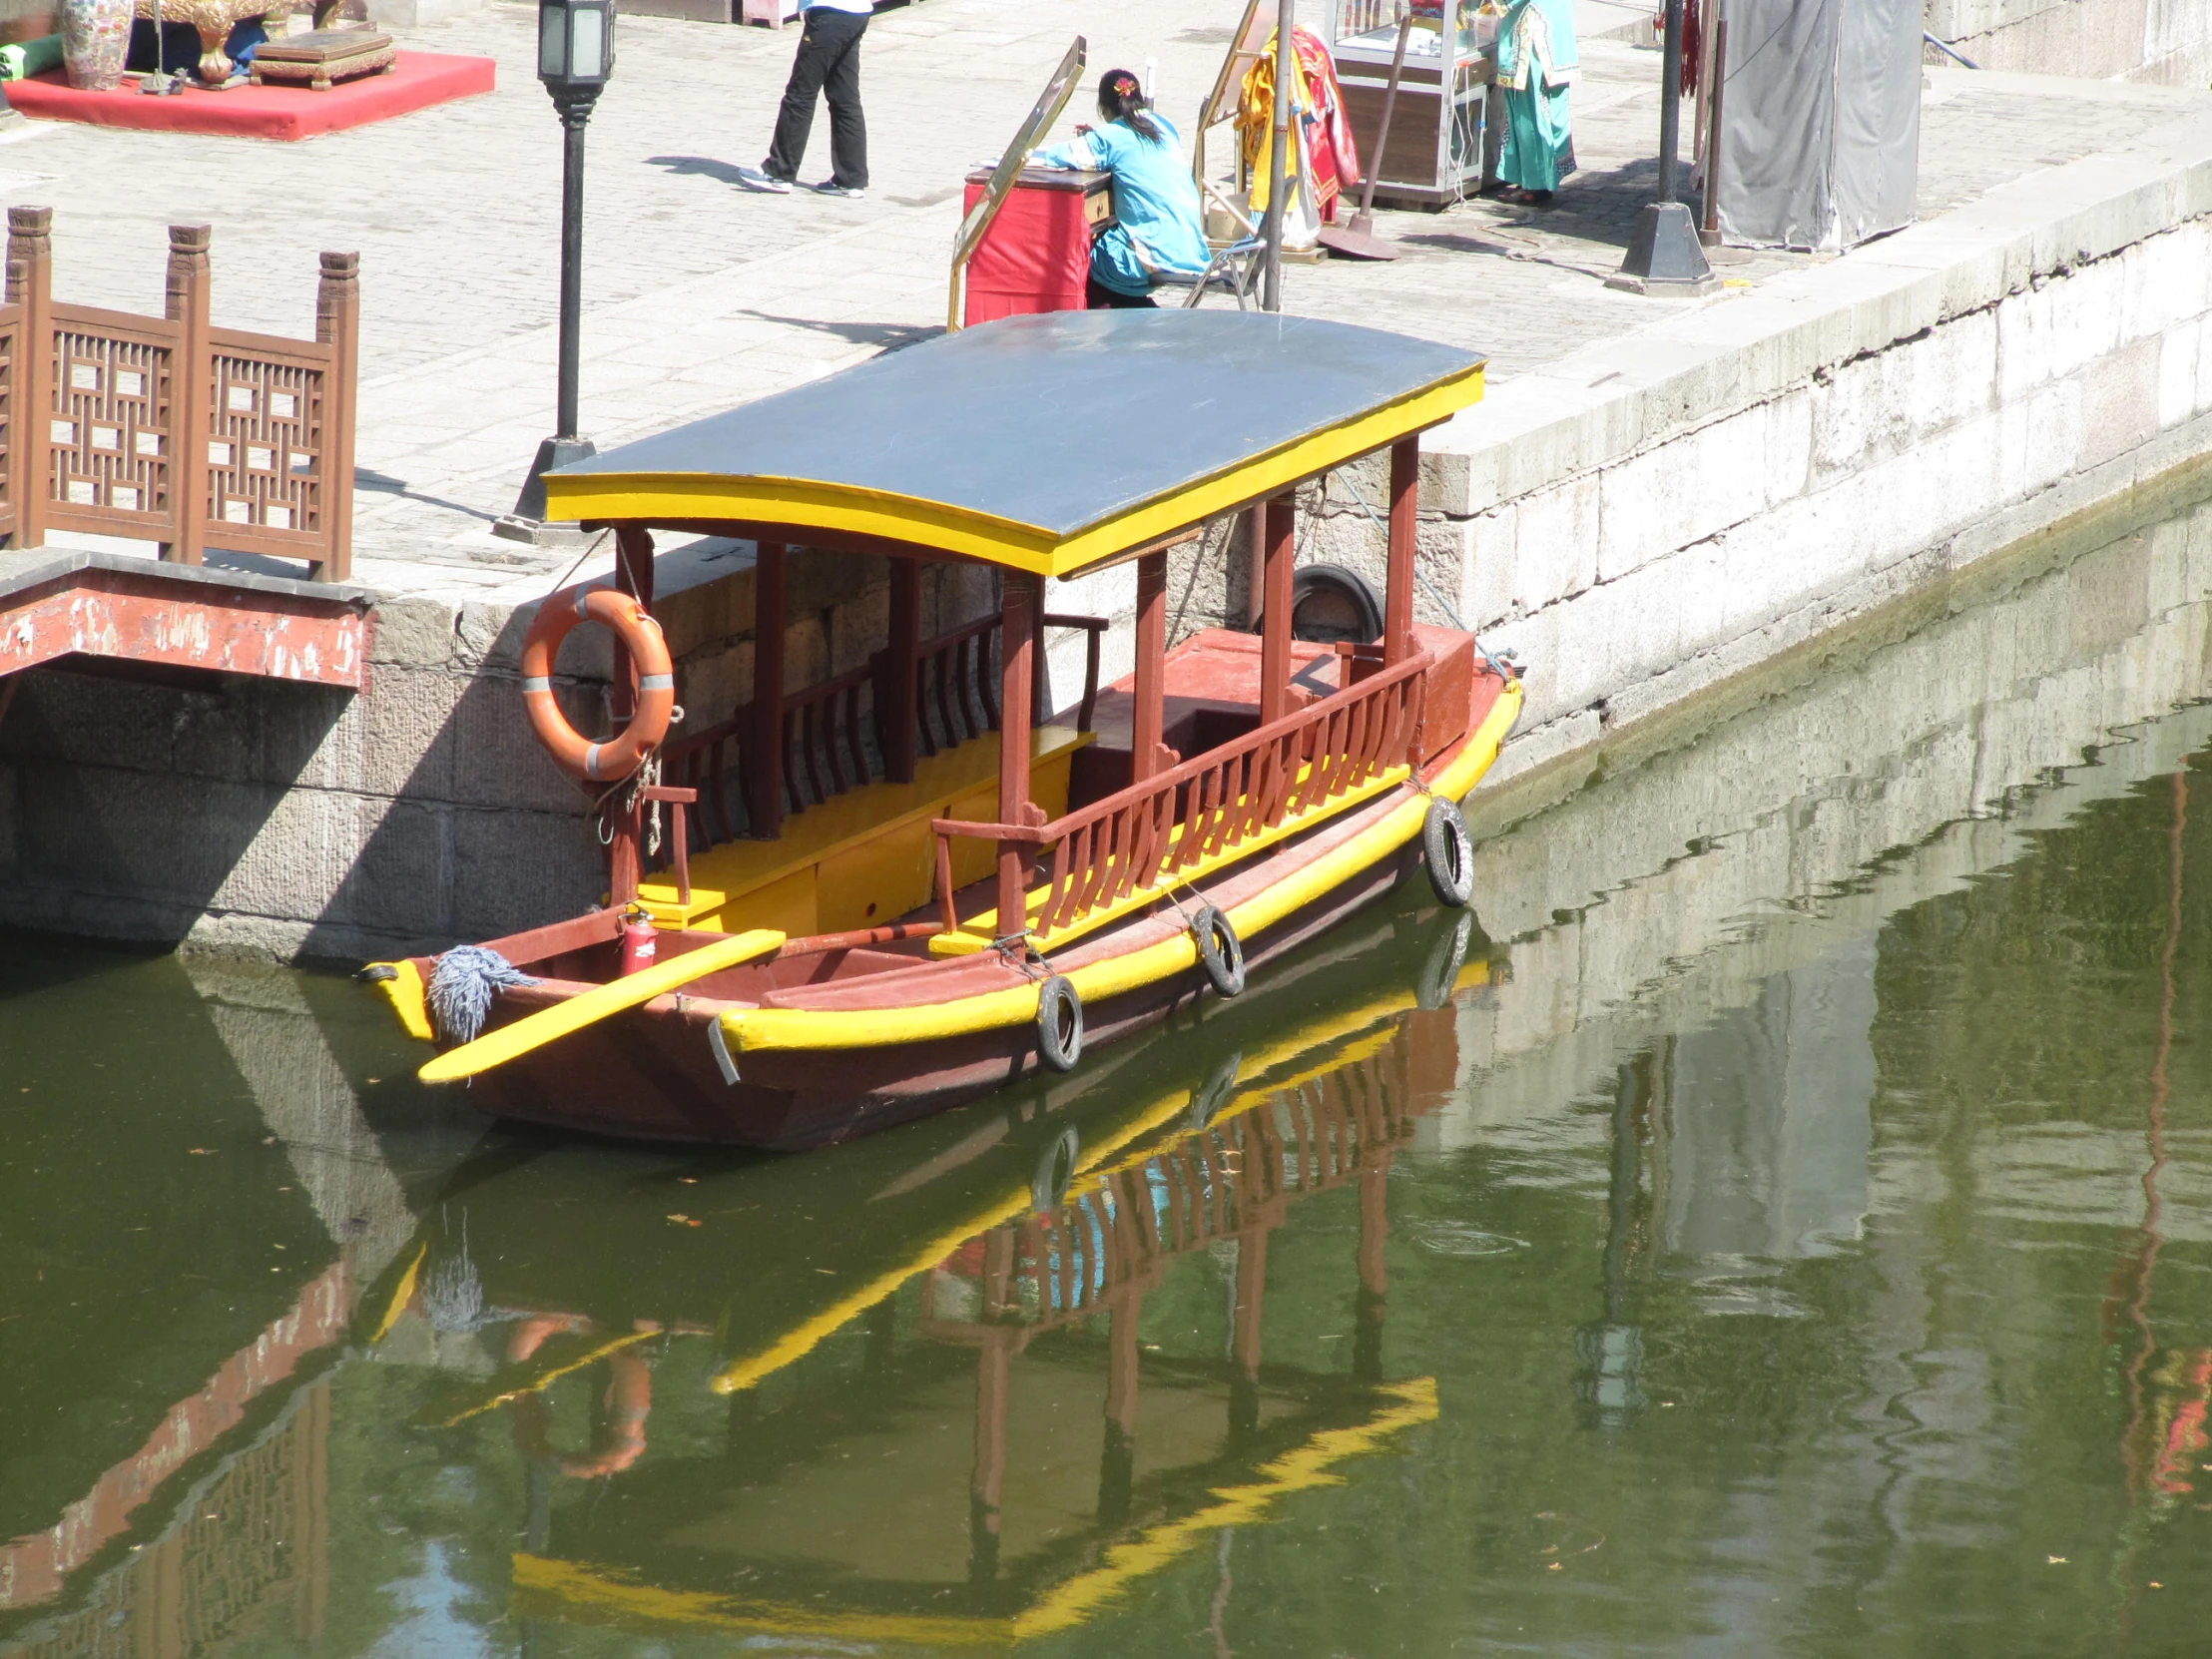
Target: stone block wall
(263, 819)
(2165, 42)
(1656, 514)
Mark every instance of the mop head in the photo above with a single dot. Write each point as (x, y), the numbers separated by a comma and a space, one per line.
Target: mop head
(462, 986)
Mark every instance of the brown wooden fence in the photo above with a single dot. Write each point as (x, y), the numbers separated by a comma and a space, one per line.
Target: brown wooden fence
(172, 430)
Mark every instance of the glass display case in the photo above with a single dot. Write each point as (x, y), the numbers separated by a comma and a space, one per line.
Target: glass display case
(1435, 150)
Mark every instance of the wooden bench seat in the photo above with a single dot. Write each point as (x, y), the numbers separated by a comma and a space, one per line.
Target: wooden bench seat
(860, 858)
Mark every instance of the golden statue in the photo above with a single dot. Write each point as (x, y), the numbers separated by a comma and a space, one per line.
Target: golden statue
(214, 18)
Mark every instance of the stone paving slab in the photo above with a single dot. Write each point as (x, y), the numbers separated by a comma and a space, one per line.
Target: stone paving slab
(701, 295)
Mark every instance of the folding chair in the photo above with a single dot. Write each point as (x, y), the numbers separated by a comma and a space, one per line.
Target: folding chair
(1232, 271)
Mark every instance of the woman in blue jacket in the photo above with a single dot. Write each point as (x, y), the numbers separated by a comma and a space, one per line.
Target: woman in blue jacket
(1158, 227)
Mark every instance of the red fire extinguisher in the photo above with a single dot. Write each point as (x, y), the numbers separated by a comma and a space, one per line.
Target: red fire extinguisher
(639, 937)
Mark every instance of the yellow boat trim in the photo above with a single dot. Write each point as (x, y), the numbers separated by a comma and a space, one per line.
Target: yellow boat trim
(404, 991)
(648, 497)
(794, 1345)
(754, 1030)
(1067, 1605)
(537, 1382)
(400, 1297)
(1310, 1466)
(981, 930)
(591, 1590)
(563, 1018)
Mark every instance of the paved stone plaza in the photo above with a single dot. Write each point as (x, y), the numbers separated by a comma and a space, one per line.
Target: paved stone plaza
(701, 295)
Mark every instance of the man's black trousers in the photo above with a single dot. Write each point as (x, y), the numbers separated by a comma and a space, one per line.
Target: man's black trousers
(828, 62)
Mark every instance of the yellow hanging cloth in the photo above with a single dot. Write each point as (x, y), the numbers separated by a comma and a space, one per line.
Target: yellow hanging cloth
(1255, 130)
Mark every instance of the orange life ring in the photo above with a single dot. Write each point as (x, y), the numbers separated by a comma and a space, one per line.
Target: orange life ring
(640, 635)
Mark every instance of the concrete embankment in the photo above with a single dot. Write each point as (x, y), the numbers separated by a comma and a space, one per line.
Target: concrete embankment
(1655, 514)
(1646, 520)
(1742, 837)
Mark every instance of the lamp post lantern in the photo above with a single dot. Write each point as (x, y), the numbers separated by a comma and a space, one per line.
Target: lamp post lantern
(575, 56)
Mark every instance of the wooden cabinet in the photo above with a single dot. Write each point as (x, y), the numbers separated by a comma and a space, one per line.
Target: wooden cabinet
(1436, 143)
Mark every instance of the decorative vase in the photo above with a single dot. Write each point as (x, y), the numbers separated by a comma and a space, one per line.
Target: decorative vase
(94, 36)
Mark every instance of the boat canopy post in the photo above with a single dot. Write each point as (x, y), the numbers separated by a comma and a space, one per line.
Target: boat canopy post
(1245, 1333)
(1018, 607)
(1147, 752)
(1398, 598)
(996, 1346)
(634, 576)
(1279, 524)
(766, 772)
(1374, 1283)
(1117, 1464)
(895, 720)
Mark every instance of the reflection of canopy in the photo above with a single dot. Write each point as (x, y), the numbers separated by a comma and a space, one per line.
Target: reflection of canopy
(583, 1592)
(1322, 1110)
(1044, 443)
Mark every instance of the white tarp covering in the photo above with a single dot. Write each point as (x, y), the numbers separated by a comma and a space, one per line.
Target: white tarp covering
(1820, 123)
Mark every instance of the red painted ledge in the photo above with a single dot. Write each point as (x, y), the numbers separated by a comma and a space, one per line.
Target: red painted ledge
(417, 81)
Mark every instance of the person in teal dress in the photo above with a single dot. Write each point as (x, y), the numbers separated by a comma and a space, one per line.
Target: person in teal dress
(1536, 60)
(1158, 227)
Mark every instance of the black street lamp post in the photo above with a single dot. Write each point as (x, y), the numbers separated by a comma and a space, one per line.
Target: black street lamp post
(575, 56)
(1664, 253)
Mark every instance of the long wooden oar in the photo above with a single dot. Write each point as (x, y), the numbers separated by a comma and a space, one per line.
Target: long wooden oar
(498, 1048)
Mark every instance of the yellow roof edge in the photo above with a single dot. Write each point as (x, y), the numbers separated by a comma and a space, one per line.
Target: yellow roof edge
(598, 497)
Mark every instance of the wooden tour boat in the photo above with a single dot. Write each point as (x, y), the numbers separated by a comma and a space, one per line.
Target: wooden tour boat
(927, 899)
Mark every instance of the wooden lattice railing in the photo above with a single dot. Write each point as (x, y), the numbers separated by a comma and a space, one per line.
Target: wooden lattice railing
(1124, 851)
(168, 429)
(832, 733)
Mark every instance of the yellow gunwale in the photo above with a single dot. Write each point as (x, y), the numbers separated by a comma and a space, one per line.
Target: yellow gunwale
(755, 1030)
(647, 497)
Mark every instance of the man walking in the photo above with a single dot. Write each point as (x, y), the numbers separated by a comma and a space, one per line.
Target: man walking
(828, 63)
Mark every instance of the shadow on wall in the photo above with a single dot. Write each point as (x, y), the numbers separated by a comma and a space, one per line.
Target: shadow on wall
(274, 820)
(266, 819)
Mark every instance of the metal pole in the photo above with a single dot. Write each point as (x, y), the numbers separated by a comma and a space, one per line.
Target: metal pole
(566, 445)
(1286, 60)
(573, 118)
(1709, 230)
(1664, 255)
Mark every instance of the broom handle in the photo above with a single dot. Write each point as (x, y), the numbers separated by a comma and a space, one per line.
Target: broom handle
(1389, 103)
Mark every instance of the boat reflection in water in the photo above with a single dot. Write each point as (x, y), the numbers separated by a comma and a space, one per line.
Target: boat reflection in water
(880, 1436)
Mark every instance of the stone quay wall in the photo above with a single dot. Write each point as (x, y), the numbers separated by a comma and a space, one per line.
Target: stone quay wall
(266, 819)
(1643, 521)
(1655, 516)
(2164, 42)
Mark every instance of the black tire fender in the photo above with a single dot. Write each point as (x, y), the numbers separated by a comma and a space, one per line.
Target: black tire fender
(1213, 1096)
(1048, 1188)
(1448, 852)
(1219, 952)
(1441, 972)
(1059, 1023)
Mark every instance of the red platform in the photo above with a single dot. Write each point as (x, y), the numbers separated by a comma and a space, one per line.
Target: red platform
(418, 80)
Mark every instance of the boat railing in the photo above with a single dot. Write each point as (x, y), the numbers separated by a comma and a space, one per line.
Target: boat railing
(1230, 1178)
(1129, 849)
(833, 737)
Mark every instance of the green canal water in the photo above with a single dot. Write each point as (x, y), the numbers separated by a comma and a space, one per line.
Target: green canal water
(1783, 1226)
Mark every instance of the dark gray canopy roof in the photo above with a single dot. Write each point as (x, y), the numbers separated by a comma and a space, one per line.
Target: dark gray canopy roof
(1038, 440)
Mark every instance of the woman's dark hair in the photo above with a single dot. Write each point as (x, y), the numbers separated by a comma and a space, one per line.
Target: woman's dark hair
(1121, 98)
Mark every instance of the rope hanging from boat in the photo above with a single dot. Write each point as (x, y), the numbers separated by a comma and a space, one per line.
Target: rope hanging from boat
(464, 983)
